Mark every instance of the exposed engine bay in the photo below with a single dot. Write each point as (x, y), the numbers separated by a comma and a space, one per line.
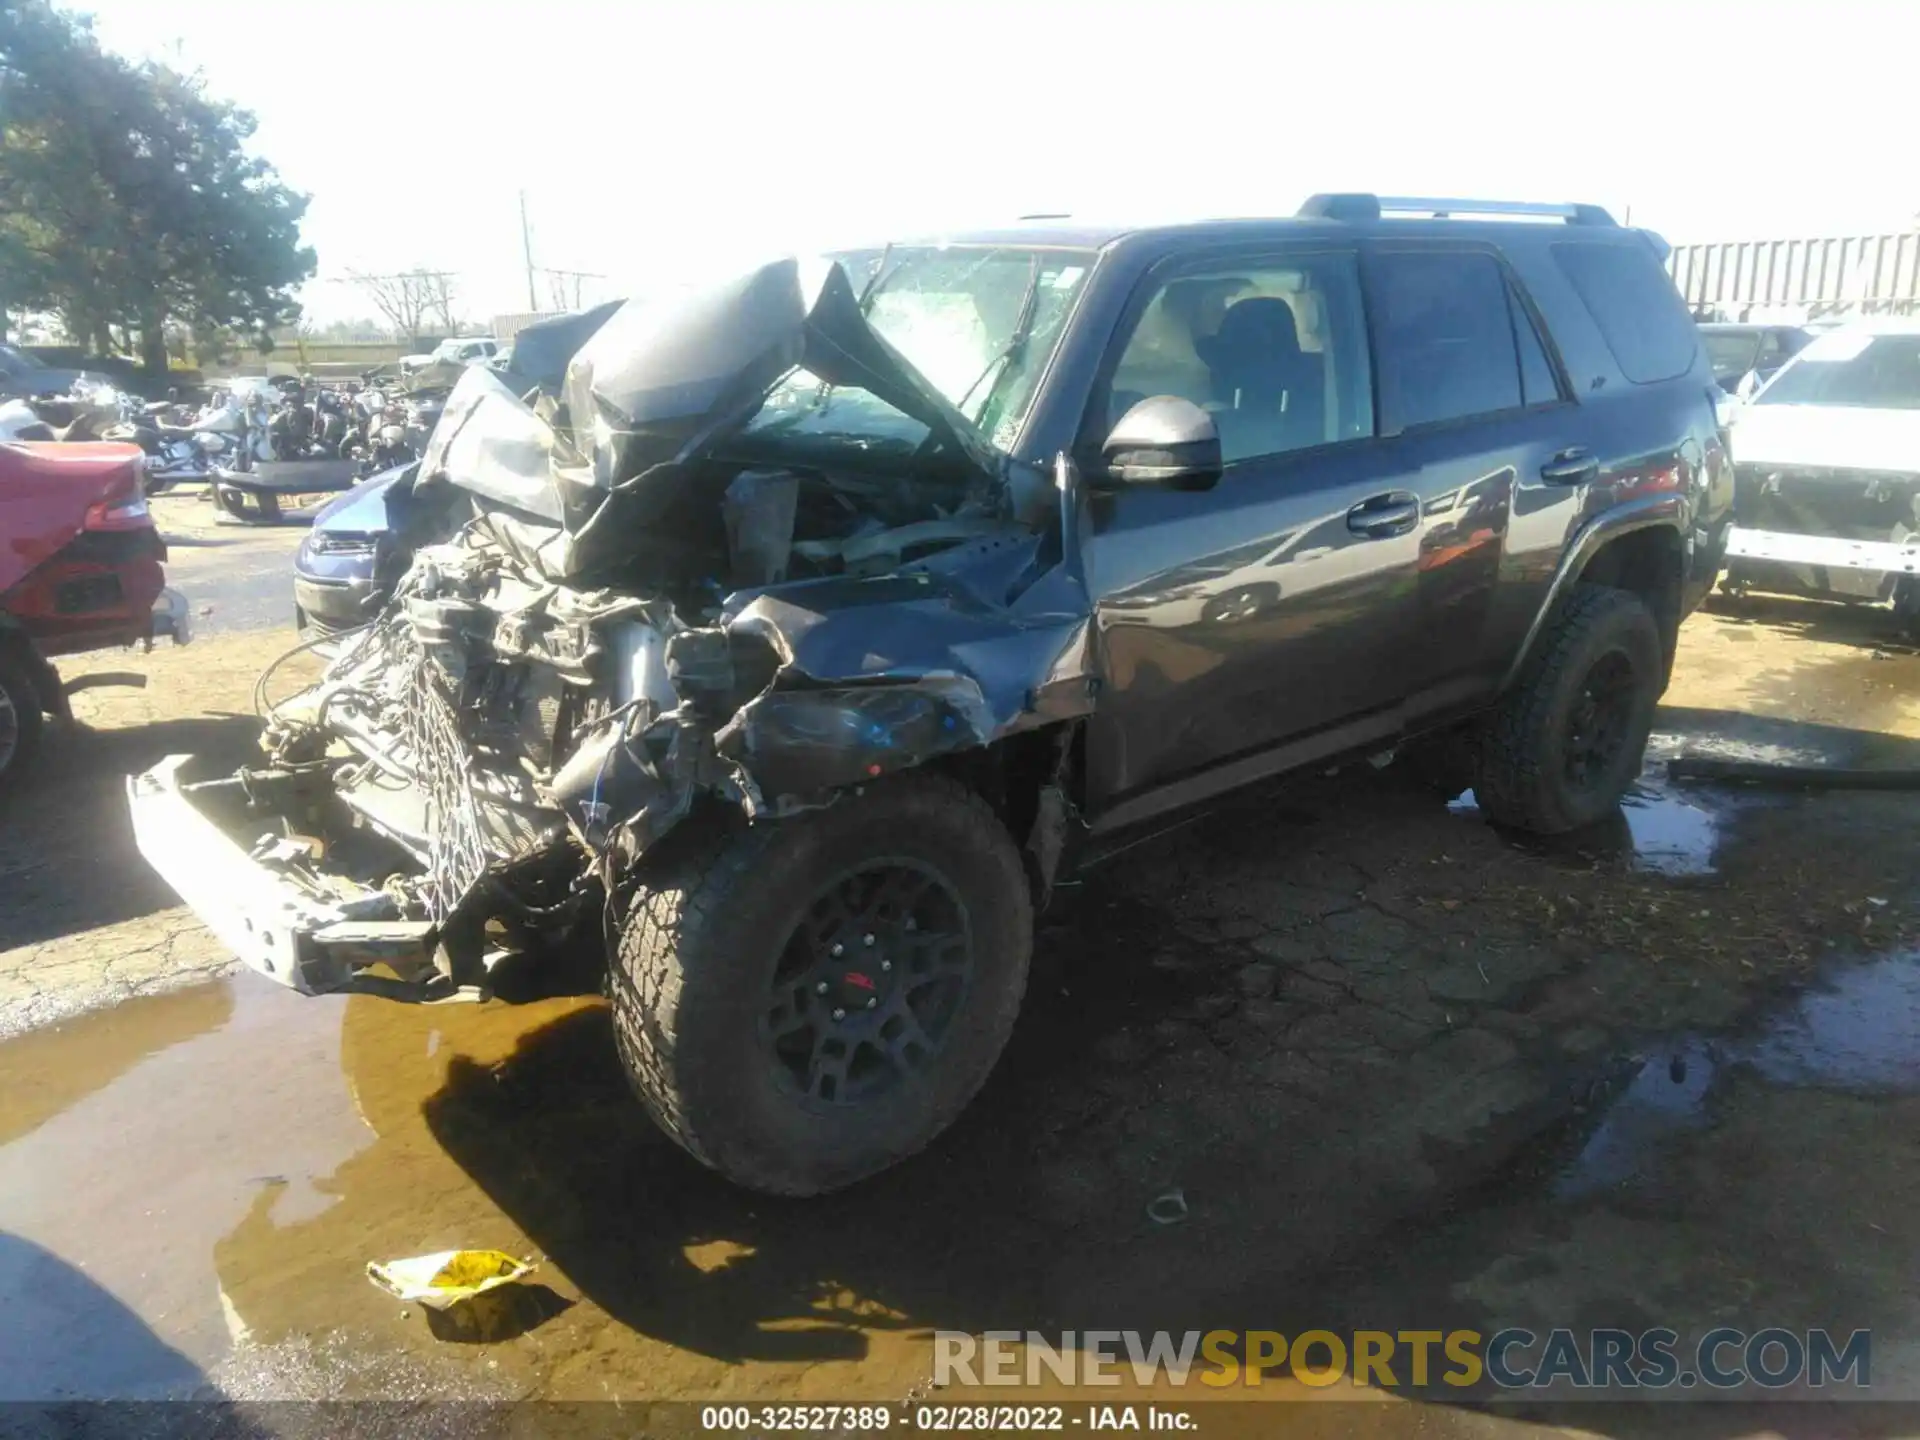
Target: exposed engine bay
(633, 613)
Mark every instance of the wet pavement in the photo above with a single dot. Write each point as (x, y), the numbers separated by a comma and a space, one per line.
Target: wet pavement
(1405, 1070)
(239, 576)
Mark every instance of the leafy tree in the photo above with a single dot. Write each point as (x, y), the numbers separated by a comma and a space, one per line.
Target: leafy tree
(128, 199)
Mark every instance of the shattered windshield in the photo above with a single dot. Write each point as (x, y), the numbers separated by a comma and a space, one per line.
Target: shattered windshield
(1876, 372)
(980, 323)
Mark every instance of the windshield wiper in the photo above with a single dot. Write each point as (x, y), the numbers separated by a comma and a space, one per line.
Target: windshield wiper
(1016, 342)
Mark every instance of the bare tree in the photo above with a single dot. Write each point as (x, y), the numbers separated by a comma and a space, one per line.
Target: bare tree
(440, 296)
(409, 299)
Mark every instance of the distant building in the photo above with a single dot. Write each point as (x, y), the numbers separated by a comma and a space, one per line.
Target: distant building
(505, 327)
(1785, 280)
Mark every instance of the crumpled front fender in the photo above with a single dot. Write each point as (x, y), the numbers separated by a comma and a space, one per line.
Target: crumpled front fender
(862, 679)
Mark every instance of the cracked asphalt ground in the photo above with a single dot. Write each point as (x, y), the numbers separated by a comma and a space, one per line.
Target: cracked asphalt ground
(1396, 1064)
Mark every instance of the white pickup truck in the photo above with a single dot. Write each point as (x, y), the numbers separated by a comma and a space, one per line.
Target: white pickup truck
(470, 350)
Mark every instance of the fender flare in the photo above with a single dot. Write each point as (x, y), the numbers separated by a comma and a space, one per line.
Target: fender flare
(1648, 512)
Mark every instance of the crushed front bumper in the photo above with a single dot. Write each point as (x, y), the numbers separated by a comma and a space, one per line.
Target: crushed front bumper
(275, 926)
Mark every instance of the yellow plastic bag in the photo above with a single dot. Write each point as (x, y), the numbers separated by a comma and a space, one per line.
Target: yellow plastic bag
(438, 1281)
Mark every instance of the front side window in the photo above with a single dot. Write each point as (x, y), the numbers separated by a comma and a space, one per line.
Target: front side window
(1444, 337)
(1854, 369)
(1275, 349)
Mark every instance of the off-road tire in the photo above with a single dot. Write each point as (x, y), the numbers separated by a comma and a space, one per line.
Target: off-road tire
(25, 695)
(1520, 777)
(701, 941)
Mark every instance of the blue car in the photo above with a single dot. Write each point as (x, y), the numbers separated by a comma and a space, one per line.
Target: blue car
(349, 562)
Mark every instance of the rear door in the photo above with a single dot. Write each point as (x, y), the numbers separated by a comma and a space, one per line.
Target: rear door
(1485, 438)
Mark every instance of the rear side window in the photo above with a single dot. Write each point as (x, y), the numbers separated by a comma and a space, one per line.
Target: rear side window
(1538, 384)
(1636, 307)
(1443, 338)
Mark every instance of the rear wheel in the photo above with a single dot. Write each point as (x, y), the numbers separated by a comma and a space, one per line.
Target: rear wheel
(1568, 740)
(20, 720)
(805, 1003)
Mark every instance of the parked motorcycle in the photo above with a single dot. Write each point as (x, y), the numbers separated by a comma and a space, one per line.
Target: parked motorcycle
(20, 422)
(290, 428)
(86, 412)
(231, 431)
(380, 438)
(329, 423)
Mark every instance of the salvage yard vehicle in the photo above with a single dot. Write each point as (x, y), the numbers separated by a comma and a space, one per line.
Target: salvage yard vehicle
(81, 568)
(836, 613)
(1827, 479)
(1745, 357)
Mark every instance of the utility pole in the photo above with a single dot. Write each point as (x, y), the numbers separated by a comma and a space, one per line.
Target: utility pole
(526, 250)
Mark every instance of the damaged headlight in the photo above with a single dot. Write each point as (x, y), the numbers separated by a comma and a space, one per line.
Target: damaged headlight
(797, 742)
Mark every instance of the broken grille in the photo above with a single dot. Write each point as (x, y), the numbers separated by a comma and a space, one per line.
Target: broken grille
(457, 852)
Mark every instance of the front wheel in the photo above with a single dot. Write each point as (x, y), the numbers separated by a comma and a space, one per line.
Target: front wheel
(804, 1003)
(1569, 739)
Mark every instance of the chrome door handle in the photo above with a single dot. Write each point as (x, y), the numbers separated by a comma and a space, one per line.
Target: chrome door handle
(1570, 467)
(1382, 516)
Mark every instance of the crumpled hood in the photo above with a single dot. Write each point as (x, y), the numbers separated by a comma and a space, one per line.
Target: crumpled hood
(660, 384)
(655, 390)
(1840, 437)
(543, 350)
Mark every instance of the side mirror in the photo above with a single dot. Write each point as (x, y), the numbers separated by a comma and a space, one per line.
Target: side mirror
(1749, 383)
(1164, 440)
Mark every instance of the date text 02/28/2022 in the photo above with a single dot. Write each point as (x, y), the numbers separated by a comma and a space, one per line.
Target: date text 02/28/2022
(840, 1419)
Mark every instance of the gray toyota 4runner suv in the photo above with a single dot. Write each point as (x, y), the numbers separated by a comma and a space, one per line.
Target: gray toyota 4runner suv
(830, 616)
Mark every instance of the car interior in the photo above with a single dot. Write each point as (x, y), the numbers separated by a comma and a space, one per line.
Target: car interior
(1250, 349)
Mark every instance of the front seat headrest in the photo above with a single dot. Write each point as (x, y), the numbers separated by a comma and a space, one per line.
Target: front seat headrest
(1254, 332)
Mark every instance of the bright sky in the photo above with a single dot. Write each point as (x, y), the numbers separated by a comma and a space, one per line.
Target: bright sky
(692, 136)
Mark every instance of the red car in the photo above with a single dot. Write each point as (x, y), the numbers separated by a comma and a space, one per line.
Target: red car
(80, 569)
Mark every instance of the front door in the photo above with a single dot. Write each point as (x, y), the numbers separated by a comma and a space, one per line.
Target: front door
(1278, 605)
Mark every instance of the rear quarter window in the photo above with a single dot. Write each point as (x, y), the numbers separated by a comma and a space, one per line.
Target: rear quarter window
(1635, 306)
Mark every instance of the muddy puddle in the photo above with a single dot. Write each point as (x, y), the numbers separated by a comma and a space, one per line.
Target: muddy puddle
(1857, 1032)
(1661, 827)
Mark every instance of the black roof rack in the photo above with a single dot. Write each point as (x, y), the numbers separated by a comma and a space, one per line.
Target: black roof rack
(1357, 207)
